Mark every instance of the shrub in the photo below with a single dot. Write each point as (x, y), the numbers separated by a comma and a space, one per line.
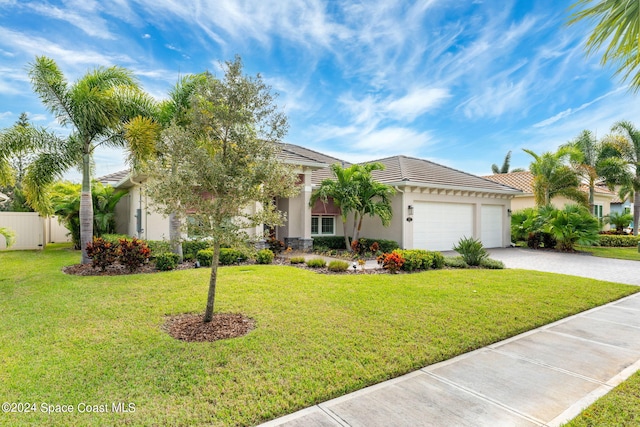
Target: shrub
(190, 248)
(338, 265)
(133, 253)
(386, 246)
(420, 259)
(316, 263)
(471, 250)
(297, 260)
(493, 264)
(573, 225)
(167, 261)
(392, 262)
(159, 247)
(114, 239)
(618, 240)
(328, 242)
(265, 256)
(455, 262)
(229, 256)
(102, 253)
(275, 245)
(205, 257)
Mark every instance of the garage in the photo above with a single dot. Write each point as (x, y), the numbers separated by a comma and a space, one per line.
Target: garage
(491, 226)
(439, 226)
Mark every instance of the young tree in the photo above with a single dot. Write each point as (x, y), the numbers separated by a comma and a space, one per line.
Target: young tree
(101, 108)
(354, 190)
(618, 28)
(225, 169)
(554, 178)
(621, 163)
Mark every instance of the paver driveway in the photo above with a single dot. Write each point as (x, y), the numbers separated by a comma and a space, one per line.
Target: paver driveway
(584, 265)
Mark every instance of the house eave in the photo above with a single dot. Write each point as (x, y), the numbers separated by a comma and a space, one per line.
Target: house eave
(406, 184)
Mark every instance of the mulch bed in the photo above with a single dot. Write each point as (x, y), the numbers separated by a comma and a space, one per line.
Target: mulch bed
(117, 269)
(191, 328)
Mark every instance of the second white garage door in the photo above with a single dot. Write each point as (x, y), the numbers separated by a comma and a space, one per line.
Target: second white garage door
(491, 226)
(438, 226)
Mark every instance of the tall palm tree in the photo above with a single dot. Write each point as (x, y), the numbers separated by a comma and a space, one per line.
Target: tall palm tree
(621, 164)
(101, 108)
(552, 177)
(618, 28)
(585, 155)
(505, 166)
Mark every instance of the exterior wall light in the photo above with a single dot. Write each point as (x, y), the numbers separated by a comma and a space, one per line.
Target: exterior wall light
(410, 211)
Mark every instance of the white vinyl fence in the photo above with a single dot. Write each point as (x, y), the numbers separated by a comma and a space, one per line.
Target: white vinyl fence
(32, 231)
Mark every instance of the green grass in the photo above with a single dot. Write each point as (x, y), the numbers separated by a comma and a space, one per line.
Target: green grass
(629, 253)
(97, 340)
(620, 407)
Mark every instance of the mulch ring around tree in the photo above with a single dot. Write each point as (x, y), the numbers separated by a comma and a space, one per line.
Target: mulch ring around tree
(191, 328)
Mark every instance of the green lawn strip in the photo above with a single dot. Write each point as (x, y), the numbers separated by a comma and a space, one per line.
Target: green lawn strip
(99, 340)
(620, 407)
(628, 253)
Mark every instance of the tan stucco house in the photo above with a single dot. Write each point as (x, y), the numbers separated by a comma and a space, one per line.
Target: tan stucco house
(603, 197)
(433, 208)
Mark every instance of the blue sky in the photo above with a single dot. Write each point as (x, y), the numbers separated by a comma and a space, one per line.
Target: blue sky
(458, 83)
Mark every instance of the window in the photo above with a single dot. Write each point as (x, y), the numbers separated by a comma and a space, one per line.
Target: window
(323, 225)
(627, 210)
(597, 211)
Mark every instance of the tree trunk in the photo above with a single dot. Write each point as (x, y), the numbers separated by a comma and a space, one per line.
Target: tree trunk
(208, 314)
(175, 236)
(636, 211)
(86, 208)
(592, 206)
(356, 232)
(347, 243)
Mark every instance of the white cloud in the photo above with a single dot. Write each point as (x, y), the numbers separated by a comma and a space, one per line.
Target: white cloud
(417, 102)
(146, 36)
(81, 14)
(495, 101)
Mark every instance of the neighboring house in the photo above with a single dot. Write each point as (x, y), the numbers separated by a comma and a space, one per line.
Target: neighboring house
(603, 197)
(433, 208)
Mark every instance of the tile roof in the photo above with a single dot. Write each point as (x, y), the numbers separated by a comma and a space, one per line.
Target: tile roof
(296, 154)
(413, 171)
(113, 178)
(524, 181)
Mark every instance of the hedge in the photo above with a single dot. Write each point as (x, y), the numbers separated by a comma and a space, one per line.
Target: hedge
(613, 240)
(337, 242)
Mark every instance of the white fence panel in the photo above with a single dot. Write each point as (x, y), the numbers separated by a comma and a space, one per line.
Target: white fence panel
(56, 232)
(29, 228)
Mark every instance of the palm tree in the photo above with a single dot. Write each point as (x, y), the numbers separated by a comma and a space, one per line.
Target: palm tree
(585, 154)
(618, 28)
(355, 191)
(621, 164)
(342, 190)
(101, 108)
(553, 178)
(505, 166)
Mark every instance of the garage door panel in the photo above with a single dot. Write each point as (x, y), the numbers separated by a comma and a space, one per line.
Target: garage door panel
(439, 226)
(492, 226)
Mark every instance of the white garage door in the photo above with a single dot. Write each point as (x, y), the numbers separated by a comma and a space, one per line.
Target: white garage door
(491, 226)
(439, 226)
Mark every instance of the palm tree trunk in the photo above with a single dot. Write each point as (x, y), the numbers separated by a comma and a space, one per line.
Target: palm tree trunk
(86, 208)
(636, 211)
(347, 243)
(175, 236)
(208, 314)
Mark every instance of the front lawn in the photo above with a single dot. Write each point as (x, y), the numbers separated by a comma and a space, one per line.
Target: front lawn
(97, 342)
(629, 253)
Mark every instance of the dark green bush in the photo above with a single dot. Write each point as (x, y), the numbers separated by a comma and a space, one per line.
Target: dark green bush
(471, 250)
(316, 263)
(386, 246)
(264, 256)
(229, 256)
(338, 265)
(297, 260)
(190, 248)
(204, 257)
(420, 259)
(158, 247)
(493, 264)
(328, 242)
(611, 240)
(167, 261)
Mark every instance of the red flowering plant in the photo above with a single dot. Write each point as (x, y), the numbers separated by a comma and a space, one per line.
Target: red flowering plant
(133, 253)
(102, 253)
(392, 262)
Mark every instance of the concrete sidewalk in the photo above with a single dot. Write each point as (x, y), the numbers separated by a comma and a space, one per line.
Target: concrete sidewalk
(545, 377)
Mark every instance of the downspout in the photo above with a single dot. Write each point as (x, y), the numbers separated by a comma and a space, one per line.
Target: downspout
(138, 215)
